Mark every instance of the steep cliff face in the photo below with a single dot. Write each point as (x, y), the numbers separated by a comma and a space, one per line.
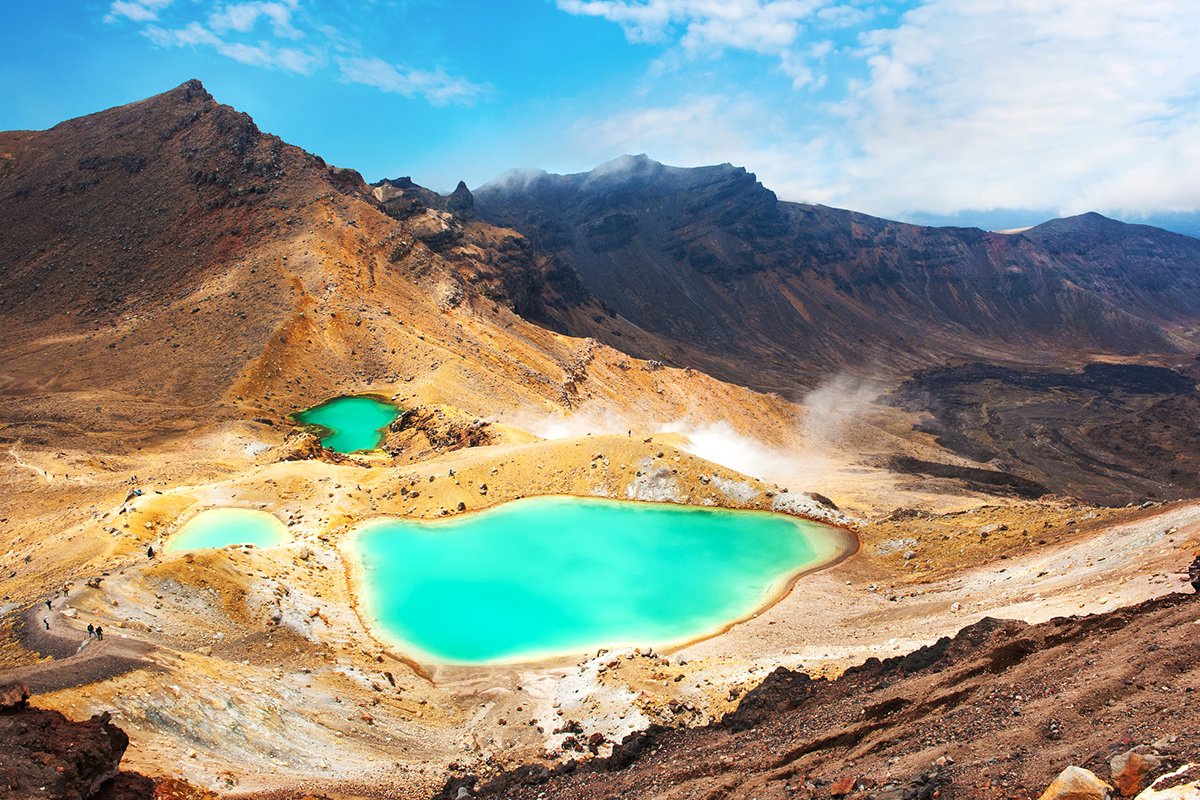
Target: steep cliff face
(500, 263)
(769, 293)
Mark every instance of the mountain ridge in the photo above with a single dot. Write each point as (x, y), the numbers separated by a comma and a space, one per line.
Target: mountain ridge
(710, 255)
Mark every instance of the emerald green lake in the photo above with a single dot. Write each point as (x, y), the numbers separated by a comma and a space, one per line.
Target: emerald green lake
(553, 576)
(352, 424)
(221, 527)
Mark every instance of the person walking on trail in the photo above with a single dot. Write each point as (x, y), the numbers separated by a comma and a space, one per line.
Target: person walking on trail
(99, 633)
(46, 622)
(91, 630)
(48, 606)
(150, 551)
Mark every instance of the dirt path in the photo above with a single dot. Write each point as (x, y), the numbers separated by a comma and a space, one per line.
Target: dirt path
(46, 476)
(72, 657)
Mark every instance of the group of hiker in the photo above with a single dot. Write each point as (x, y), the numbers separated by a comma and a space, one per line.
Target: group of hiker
(94, 631)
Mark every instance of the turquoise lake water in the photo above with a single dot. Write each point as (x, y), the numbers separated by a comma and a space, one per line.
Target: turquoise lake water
(354, 424)
(555, 575)
(221, 527)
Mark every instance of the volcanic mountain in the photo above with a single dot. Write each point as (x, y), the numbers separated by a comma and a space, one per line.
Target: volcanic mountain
(176, 283)
(727, 278)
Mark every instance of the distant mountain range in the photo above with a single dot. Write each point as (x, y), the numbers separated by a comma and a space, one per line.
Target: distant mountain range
(1184, 222)
(725, 277)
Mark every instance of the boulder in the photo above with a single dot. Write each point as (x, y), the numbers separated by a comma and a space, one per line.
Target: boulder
(1133, 769)
(1077, 783)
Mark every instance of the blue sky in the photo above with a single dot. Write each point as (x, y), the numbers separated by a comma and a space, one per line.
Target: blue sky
(934, 107)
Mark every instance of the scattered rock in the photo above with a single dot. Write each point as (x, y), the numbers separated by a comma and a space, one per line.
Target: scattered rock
(1182, 784)
(1077, 783)
(1133, 769)
(843, 786)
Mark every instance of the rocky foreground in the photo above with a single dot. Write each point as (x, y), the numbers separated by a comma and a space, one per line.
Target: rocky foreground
(994, 712)
(1085, 708)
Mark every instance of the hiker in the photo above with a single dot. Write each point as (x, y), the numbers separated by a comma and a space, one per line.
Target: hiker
(99, 633)
(91, 630)
(48, 606)
(46, 622)
(150, 551)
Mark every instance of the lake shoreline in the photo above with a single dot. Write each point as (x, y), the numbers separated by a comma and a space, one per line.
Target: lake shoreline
(833, 545)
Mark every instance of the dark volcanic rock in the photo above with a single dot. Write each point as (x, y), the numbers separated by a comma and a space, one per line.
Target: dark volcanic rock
(1109, 434)
(47, 755)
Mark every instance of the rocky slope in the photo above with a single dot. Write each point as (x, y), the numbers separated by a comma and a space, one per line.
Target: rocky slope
(995, 712)
(724, 277)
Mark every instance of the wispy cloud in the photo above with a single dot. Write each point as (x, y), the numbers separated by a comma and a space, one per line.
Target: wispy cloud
(707, 28)
(136, 10)
(436, 86)
(242, 17)
(259, 54)
(284, 35)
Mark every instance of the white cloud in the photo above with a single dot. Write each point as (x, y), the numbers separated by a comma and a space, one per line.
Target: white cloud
(136, 10)
(242, 17)
(1008, 103)
(268, 34)
(258, 54)
(710, 27)
(436, 86)
(1075, 105)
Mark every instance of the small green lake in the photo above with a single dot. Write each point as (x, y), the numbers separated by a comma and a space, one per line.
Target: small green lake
(351, 424)
(221, 527)
(552, 576)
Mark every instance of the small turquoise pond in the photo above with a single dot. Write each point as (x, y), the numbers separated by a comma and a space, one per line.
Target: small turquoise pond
(353, 424)
(221, 527)
(554, 576)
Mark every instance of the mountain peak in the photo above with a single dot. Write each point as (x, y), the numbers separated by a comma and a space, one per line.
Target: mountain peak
(189, 90)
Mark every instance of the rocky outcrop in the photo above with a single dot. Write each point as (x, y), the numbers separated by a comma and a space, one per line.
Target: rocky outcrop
(427, 430)
(1134, 769)
(45, 755)
(304, 446)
